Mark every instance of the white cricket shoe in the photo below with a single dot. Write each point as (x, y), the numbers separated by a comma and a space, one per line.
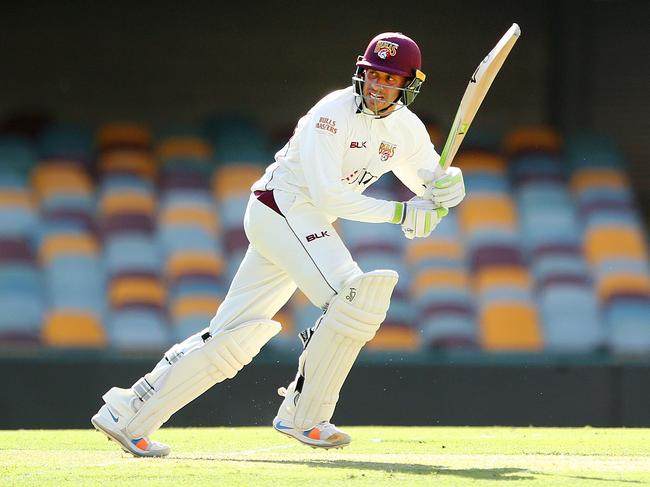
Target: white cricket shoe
(323, 435)
(107, 421)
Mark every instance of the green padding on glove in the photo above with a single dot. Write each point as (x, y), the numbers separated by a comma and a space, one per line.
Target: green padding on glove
(446, 181)
(398, 215)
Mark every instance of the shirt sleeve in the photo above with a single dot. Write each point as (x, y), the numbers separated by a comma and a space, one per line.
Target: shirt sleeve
(322, 146)
(424, 156)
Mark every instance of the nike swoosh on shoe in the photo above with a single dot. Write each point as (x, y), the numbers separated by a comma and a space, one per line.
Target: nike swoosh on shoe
(115, 418)
(280, 426)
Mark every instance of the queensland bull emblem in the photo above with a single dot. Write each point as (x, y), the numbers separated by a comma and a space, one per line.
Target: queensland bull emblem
(386, 151)
(386, 48)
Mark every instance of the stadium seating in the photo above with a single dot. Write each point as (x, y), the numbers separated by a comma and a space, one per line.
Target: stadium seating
(551, 232)
(440, 288)
(189, 232)
(507, 315)
(126, 212)
(126, 239)
(21, 293)
(615, 241)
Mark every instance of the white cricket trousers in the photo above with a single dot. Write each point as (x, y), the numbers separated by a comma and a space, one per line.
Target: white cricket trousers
(291, 246)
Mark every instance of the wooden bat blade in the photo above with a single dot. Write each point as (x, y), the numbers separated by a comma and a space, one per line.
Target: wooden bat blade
(477, 88)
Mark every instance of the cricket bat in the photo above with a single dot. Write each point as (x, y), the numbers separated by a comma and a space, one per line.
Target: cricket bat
(478, 86)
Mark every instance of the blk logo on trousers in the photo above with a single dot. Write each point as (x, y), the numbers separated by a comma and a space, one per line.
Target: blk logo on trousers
(314, 236)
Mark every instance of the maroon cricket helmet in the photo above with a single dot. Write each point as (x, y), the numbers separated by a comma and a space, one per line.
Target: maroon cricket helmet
(392, 52)
(395, 53)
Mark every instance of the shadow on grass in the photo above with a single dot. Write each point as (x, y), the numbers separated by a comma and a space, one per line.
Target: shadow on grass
(503, 474)
(409, 468)
(582, 477)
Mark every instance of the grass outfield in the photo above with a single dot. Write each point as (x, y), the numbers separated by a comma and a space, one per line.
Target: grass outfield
(378, 456)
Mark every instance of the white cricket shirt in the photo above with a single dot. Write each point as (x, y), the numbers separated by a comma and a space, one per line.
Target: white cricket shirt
(336, 152)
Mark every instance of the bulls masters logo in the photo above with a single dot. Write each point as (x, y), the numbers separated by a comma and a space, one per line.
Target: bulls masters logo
(386, 48)
(386, 151)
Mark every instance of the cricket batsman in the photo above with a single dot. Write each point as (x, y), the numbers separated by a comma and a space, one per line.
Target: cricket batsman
(345, 143)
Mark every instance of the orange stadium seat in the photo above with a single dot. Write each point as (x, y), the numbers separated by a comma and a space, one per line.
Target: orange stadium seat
(128, 160)
(510, 326)
(285, 318)
(483, 211)
(297, 307)
(194, 304)
(424, 248)
(58, 244)
(187, 215)
(127, 202)
(394, 337)
(16, 198)
(299, 299)
(60, 177)
(477, 161)
(601, 177)
(65, 328)
(194, 262)
(502, 276)
(184, 147)
(612, 242)
(235, 179)
(622, 284)
(124, 291)
(438, 278)
(533, 139)
(124, 134)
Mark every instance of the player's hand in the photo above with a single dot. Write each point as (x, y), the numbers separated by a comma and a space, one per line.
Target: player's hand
(419, 217)
(445, 191)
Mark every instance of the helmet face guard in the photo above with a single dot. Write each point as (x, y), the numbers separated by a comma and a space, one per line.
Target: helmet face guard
(395, 53)
(407, 92)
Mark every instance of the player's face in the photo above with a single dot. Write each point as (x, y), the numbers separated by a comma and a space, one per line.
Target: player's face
(380, 89)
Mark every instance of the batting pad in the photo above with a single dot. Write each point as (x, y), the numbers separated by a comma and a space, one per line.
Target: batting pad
(190, 368)
(352, 319)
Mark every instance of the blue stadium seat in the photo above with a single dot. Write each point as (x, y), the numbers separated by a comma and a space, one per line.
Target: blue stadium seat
(75, 282)
(629, 325)
(178, 238)
(121, 182)
(10, 179)
(547, 266)
(571, 319)
(447, 318)
(138, 329)
(17, 222)
(188, 326)
(21, 300)
(124, 253)
(476, 183)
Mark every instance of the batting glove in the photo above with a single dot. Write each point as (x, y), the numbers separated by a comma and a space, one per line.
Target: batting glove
(418, 217)
(445, 191)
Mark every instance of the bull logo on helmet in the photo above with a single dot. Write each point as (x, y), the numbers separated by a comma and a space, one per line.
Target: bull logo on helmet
(383, 49)
(386, 151)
